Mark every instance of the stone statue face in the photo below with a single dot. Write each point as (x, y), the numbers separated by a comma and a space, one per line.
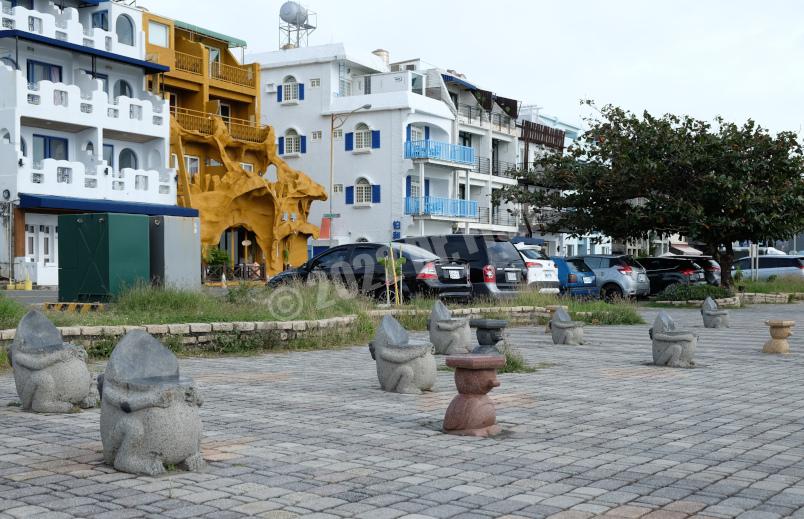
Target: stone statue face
(140, 358)
(476, 382)
(390, 333)
(562, 315)
(663, 323)
(440, 312)
(709, 304)
(35, 333)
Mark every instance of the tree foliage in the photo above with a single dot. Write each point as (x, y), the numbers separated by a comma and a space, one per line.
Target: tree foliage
(632, 177)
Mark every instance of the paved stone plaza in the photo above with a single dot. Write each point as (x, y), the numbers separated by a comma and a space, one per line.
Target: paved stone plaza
(597, 431)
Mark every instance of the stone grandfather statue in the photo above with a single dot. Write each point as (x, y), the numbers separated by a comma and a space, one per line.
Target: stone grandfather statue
(564, 330)
(51, 376)
(403, 366)
(712, 316)
(149, 414)
(450, 336)
(671, 347)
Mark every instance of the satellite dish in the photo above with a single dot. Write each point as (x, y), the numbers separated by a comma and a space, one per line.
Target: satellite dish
(293, 13)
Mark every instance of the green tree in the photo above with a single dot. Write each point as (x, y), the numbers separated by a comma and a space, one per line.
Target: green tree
(629, 176)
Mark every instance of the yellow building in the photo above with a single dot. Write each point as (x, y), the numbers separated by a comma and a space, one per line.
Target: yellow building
(251, 203)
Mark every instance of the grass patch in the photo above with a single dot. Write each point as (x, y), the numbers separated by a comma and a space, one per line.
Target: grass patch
(514, 362)
(4, 364)
(10, 312)
(681, 292)
(775, 285)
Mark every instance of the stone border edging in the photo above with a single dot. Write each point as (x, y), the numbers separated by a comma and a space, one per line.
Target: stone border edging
(744, 298)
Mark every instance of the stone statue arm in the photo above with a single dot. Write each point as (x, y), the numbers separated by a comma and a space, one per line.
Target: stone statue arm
(400, 355)
(37, 361)
(449, 326)
(132, 401)
(193, 397)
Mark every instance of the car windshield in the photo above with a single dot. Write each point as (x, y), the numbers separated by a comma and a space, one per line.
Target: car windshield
(534, 254)
(579, 265)
(413, 252)
(628, 260)
(502, 252)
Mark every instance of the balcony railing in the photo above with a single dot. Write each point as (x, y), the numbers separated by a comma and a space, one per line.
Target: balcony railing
(237, 75)
(437, 206)
(203, 122)
(436, 150)
(189, 63)
(502, 123)
(500, 168)
(498, 217)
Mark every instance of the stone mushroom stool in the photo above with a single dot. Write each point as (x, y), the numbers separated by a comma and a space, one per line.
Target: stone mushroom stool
(472, 412)
(553, 309)
(403, 366)
(712, 317)
(489, 334)
(449, 335)
(149, 414)
(672, 348)
(565, 330)
(779, 330)
(51, 376)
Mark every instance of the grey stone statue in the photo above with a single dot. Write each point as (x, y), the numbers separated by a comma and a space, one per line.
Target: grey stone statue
(671, 347)
(51, 376)
(712, 316)
(403, 366)
(149, 414)
(449, 335)
(564, 329)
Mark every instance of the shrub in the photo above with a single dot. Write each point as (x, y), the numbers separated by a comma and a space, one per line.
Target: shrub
(681, 292)
(10, 312)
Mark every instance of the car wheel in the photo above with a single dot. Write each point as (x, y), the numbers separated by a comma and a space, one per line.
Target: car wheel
(611, 292)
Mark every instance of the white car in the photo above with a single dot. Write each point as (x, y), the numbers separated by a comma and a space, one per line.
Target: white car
(542, 271)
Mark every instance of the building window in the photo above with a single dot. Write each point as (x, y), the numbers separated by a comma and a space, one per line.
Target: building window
(108, 154)
(174, 161)
(337, 188)
(100, 20)
(362, 192)
(290, 89)
(415, 192)
(247, 167)
(337, 134)
(158, 34)
(128, 159)
(292, 142)
(362, 137)
(192, 165)
(315, 82)
(46, 147)
(316, 135)
(39, 71)
(124, 28)
(23, 147)
(416, 133)
(122, 88)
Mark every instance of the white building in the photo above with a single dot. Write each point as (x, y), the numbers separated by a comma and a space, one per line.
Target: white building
(405, 161)
(78, 130)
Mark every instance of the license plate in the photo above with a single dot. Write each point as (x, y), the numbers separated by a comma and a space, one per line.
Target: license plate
(548, 275)
(511, 276)
(587, 280)
(454, 274)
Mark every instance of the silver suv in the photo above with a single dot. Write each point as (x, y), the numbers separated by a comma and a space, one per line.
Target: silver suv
(618, 276)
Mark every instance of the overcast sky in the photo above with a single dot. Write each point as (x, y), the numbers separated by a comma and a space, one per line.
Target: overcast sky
(734, 58)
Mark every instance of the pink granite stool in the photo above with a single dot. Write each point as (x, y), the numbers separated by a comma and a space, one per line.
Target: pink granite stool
(472, 412)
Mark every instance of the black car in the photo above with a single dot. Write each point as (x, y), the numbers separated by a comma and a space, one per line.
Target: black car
(710, 266)
(360, 266)
(667, 270)
(495, 266)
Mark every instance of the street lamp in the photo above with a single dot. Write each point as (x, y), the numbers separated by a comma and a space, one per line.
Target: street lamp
(341, 119)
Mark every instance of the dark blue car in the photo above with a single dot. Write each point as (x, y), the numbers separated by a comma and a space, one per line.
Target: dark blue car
(576, 278)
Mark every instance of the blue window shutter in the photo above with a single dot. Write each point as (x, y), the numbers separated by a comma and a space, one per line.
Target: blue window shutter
(375, 194)
(303, 144)
(281, 145)
(407, 134)
(426, 187)
(427, 133)
(407, 186)
(350, 141)
(375, 139)
(350, 195)
(301, 91)
(279, 94)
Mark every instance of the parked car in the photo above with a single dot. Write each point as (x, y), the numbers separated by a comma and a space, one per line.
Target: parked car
(618, 276)
(496, 269)
(542, 271)
(774, 265)
(664, 271)
(358, 266)
(576, 278)
(710, 266)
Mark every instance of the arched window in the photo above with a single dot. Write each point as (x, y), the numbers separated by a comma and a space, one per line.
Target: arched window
(122, 88)
(290, 89)
(90, 148)
(292, 141)
(362, 191)
(124, 28)
(362, 137)
(128, 159)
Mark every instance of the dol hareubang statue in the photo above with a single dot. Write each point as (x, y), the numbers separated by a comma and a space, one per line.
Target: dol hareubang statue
(51, 376)
(403, 366)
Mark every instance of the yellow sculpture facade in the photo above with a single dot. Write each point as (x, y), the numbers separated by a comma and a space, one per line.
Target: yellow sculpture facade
(221, 151)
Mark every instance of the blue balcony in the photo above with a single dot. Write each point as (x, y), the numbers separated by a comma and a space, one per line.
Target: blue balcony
(440, 151)
(437, 206)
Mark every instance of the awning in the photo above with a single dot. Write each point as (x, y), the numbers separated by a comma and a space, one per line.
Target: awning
(231, 41)
(458, 81)
(150, 68)
(684, 249)
(88, 205)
